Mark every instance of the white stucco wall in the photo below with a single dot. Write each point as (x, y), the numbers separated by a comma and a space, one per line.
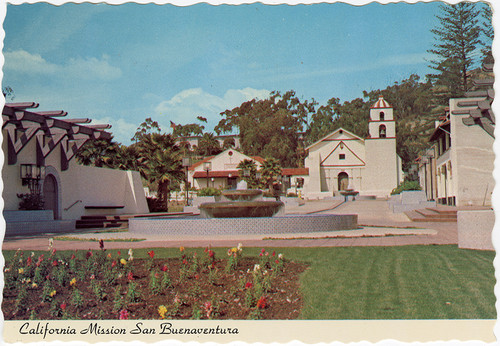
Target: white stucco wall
(92, 185)
(472, 159)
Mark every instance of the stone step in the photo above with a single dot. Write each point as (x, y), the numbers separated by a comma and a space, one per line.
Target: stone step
(415, 216)
(444, 210)
(432, 214)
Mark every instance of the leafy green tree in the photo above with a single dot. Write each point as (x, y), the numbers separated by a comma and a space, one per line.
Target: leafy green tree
(270, 169)
(269, 127)
(147, 127)
(208, 145)
(457, 38)
(248, 172)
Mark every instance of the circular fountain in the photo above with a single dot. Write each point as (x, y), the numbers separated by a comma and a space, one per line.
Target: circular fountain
(241, 203)
(241, 211)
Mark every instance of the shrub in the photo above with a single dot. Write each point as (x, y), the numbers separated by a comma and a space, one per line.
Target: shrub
(407, 185)
(209, 191)
(291, 194)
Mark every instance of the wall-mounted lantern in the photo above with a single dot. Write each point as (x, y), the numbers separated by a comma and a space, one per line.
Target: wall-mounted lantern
(31, 175)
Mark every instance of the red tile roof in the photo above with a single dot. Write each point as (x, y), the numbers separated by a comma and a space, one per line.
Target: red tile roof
(216, 174)
(295, 171)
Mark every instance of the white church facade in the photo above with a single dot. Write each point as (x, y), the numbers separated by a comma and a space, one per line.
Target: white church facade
(342, 160)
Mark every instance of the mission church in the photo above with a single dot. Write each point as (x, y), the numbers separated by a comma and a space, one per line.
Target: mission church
(342, 160)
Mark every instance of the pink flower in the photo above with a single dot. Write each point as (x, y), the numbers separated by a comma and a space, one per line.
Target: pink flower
(157, 275)
(208, 308)
(54, 263)
(262, 250)
(123, 314)
(277, 262)
(63, 306)
(130, 276)
(73, 256)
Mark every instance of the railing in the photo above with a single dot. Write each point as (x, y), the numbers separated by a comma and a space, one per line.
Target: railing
(71, 206)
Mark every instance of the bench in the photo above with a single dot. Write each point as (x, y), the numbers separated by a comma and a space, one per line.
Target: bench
(104, 206)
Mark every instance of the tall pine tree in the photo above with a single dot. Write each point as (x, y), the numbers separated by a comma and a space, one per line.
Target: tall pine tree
(457, 38)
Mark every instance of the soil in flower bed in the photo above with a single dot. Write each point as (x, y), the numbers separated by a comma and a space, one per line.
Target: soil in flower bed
(190, 286)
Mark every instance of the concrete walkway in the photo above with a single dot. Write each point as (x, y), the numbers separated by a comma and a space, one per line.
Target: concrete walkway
(380, 228)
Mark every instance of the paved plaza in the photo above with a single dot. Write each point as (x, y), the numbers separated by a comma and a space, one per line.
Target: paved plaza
(378, 227)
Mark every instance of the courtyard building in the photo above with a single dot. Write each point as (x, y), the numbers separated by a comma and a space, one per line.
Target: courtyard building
(343, 160)
(457, 169)
(39, 150)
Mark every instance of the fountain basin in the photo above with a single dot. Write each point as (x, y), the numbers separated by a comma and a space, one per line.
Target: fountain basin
(241, 195)
(240, 209)
(180, 226)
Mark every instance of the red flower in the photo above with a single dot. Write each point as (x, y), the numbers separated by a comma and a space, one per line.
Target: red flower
(164, 268)
(54, 263)
(123, 314)
(248, 285)
(113, 264)
(211, 254)
(53, 252)
(157, 275)
(119, 253)
(151, 254)
(196, 276)
(29, 261)
(130, 276)
(206, 250)
(88, 255)
(261, 303)
(277, 262)
(262, 250)
(73, 256)
(274, 253)
(63, 306)
(184, 261)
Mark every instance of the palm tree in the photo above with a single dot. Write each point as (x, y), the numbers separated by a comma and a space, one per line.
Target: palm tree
(208, 145)
(160, 163)
(271, 168)
(248, 171)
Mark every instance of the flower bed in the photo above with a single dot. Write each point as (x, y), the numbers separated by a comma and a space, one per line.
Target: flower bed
(114, 285)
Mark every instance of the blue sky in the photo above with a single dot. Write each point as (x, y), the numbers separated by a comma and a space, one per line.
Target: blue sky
(121, 64)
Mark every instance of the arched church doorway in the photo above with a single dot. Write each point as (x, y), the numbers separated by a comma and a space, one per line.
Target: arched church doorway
(50, 194)
(343, 181)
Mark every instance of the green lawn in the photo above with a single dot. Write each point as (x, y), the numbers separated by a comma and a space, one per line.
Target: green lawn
(404, 282)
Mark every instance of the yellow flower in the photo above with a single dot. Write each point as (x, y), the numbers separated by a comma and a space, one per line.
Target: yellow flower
(72, 282)
(234, 250)
(21, 270)
(53, 293)
(162, 310)
(34, 285)
(123, 261)
(181, 248)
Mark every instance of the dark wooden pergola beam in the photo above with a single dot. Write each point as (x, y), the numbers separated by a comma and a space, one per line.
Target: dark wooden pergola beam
(53, 113)
(78, 120)
(22, 105)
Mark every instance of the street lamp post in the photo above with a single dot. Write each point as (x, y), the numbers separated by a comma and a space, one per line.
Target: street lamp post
(208, 167)
(186, 162)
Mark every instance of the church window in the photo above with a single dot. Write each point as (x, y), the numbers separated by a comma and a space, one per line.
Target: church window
(382, 132)
(341, 156)
(382, 116)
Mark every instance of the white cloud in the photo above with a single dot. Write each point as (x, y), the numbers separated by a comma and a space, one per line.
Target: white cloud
(185, 106)
(21, 61)
(121, 129)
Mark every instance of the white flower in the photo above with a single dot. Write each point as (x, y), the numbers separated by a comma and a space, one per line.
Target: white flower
(240, 246)
(130, 254)
(256, 267)
(32, 254)
(280, 256)
(51, 243)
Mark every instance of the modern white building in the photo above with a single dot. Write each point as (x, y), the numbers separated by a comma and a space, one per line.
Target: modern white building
(342, 160)
(39, 149)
